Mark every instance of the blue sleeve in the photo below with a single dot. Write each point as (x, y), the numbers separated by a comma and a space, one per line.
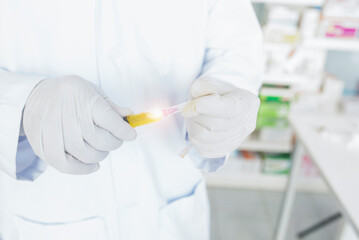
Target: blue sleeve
(206, 164)
(28, 165)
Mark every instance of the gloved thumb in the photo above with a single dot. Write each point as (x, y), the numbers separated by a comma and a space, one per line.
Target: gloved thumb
(208, 86)
(204, 87)
(190, 109)
(121, 111)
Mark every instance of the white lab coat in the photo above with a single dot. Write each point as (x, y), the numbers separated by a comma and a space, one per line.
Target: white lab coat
(143, 53)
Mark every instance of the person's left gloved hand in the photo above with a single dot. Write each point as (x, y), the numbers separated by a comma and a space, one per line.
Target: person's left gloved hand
(219, 117)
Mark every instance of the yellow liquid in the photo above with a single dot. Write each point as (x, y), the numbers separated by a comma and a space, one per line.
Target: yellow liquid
(143, 118)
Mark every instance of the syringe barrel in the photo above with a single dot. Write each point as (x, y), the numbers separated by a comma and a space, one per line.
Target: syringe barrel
(137, 120)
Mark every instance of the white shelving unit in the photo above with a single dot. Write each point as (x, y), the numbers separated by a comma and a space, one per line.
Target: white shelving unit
(333, 44)
(256, 145)
(296, 82)
(231, 176)
(286, 79)
(329, 44)
(228, 178)
(308, 3)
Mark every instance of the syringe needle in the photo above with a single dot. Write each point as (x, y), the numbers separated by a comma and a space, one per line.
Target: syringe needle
(184, 152)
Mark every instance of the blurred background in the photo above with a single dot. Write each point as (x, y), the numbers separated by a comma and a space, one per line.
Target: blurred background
(311, 66)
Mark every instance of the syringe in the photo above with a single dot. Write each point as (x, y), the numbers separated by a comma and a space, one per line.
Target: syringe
(154, 115)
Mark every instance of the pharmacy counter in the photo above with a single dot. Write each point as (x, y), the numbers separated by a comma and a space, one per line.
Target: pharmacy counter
(332, 142)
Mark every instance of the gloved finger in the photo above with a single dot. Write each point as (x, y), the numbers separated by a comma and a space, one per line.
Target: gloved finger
(84, 152)
(204, 135)
(216, 144)
(214, 105)
(123, 112)
(105, 117)
(76, 167)
(211, 149)
(236, 103)
(203, 87)
(74, 142)
(54, 153)
(200, 133)
(101, 139)
(215, 124)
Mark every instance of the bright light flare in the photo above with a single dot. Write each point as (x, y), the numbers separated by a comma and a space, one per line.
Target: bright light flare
(155, 114)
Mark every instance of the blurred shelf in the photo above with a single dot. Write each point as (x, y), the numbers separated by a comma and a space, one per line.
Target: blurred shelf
(277, 46)
(333, 44)
(308, 3)
(254, 144)
(287, 79)
(228, 179)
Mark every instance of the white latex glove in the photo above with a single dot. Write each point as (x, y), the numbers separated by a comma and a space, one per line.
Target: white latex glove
(72, 125)
(219, 117)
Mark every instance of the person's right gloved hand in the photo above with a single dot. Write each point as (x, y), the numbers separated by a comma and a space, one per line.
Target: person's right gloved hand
(72, 125)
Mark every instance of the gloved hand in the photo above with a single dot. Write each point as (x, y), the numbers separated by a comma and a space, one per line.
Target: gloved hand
(72, 125)
(219, 117)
